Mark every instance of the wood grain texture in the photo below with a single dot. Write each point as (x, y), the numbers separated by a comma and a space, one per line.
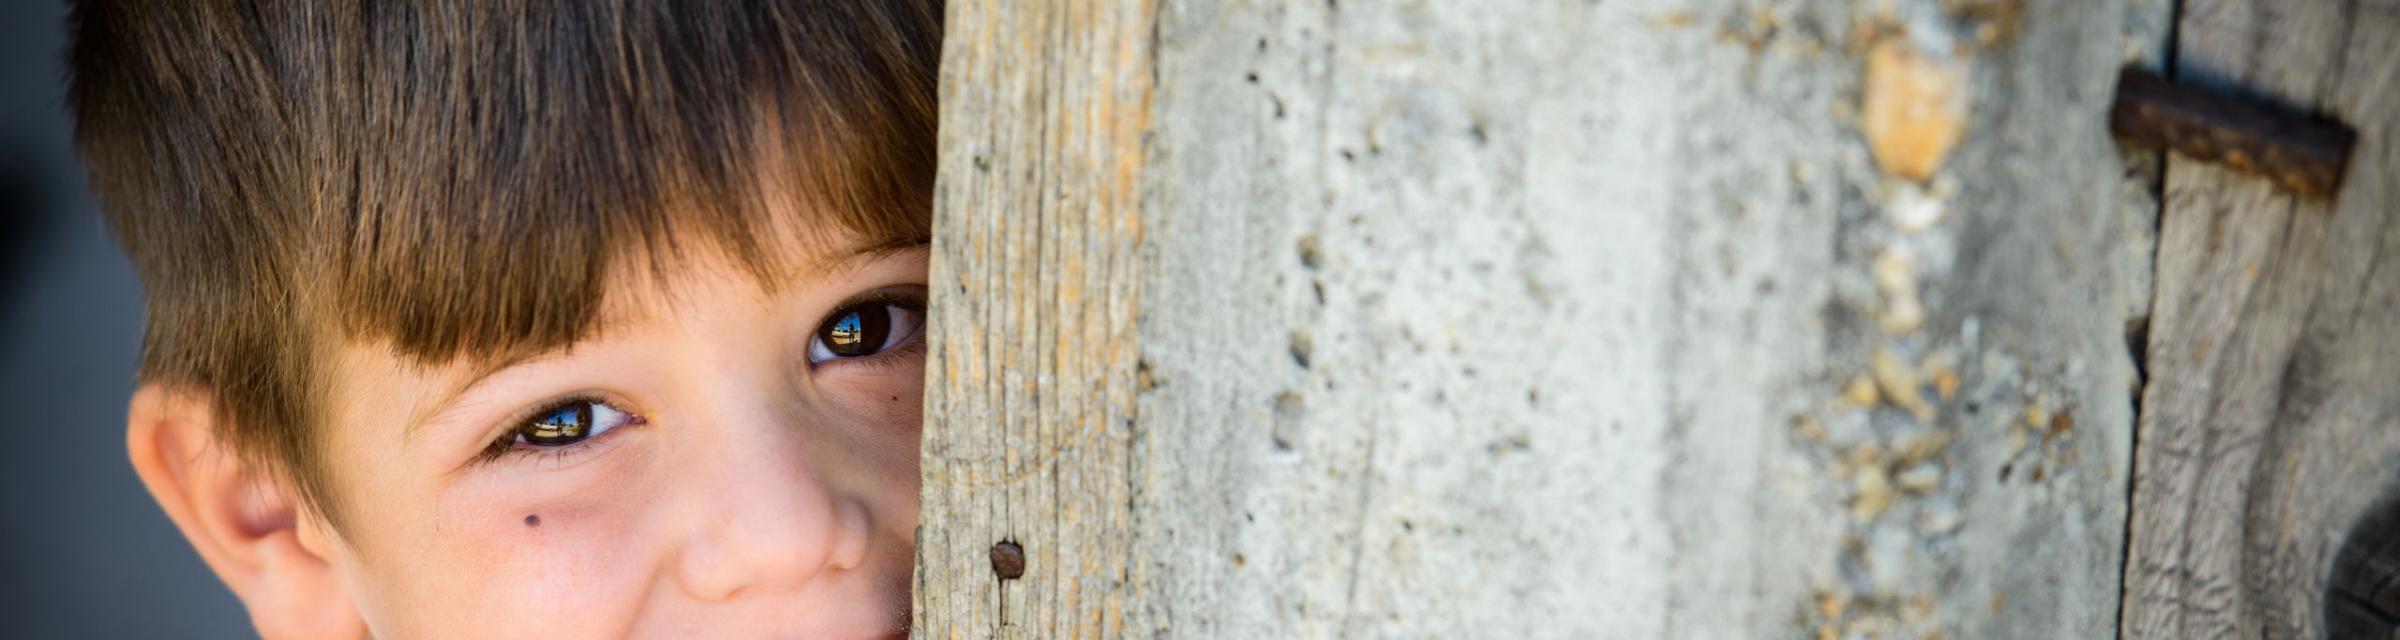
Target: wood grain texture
(1528, 320)
(1029, 405)
(2272, 418)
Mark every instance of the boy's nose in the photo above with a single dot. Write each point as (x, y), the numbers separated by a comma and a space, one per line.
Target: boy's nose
(761, 520)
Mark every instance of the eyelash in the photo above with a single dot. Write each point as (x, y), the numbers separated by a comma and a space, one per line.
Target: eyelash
(505, 447)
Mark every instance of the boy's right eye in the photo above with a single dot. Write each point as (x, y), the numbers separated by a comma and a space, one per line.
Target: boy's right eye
(570, 422)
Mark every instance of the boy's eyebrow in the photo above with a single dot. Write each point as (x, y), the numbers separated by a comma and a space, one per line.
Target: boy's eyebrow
(483, 369)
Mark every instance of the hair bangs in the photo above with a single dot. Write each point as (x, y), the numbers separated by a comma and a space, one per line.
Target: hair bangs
(544, 141)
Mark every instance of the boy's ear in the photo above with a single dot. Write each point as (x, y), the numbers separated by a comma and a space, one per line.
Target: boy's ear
(246, 524)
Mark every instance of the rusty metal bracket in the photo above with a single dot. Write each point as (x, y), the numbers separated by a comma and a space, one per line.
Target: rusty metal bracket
(2305, 154)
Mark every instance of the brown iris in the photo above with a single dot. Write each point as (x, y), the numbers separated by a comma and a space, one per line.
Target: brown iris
(859, 332)
(564, 425)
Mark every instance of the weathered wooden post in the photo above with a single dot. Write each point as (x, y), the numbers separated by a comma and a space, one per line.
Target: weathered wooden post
(1030, 504)
(2272, 421)
(1551, 319)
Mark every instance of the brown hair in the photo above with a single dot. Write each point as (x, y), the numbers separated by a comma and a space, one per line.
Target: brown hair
(453, 176)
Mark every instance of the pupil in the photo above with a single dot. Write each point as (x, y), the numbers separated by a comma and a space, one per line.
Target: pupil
(846, 332)
(563, 426)
(858, 333)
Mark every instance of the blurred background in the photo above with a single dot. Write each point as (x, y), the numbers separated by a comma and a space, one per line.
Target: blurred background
(87, 554)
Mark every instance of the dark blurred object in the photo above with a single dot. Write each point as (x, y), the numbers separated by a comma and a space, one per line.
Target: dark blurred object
(83, 551)
(2304, 154)
(24, 215)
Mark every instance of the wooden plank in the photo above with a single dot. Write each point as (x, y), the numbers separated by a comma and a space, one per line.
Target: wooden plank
(1029, 405)
(1531, 319)
(2268, 425)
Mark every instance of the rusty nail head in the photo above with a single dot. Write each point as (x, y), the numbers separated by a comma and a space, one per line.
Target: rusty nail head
(1008, 560)
(2302, 153)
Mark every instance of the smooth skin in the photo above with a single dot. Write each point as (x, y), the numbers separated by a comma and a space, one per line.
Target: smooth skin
(726, 479)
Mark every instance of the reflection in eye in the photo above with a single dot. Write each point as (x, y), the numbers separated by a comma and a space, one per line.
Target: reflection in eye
(863, 330)
(571, 422)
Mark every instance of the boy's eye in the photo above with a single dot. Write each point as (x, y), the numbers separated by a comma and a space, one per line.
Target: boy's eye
(863, 330)
(571, 422)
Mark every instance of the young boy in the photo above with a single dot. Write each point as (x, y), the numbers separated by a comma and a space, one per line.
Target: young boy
(527, 318)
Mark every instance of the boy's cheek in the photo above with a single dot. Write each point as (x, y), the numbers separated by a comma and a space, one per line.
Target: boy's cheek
(522, 515)
(501, 563)
(891, 398)
(884, 416)
(542, 497)
(886, 412)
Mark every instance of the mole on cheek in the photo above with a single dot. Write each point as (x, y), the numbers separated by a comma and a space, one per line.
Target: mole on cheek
(532, 520)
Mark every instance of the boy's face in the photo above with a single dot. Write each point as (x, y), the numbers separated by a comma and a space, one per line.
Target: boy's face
(716, 461)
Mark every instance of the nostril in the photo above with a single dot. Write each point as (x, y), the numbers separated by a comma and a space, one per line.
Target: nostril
(850, 534)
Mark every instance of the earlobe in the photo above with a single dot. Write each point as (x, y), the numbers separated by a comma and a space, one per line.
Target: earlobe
(247, 525)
